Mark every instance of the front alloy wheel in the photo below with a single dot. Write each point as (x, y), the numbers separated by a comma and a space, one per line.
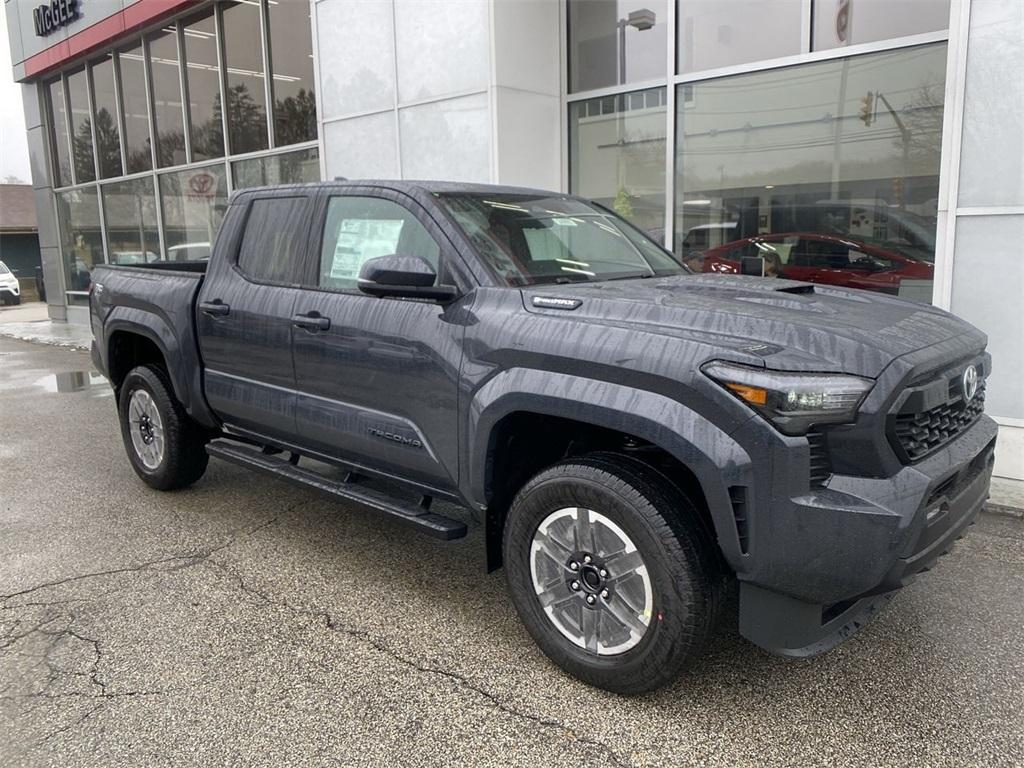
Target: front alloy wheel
(591, 580)
(612, 571)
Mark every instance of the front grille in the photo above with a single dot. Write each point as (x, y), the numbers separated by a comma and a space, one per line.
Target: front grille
(922, 433)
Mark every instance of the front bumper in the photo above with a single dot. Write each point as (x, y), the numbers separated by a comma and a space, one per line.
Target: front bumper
(10, 291)
(839, 552)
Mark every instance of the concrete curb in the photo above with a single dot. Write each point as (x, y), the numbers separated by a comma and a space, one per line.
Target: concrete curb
(1004, 511)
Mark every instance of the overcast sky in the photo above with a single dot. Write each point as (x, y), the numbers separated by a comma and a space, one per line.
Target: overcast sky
(13, 147)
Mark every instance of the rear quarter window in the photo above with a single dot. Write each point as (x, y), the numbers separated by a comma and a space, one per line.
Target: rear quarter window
(275, 236)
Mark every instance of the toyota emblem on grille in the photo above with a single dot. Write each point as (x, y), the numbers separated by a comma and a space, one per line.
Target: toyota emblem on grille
(970, 383)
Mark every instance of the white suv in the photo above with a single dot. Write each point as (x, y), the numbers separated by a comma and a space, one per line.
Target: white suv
(10, 291)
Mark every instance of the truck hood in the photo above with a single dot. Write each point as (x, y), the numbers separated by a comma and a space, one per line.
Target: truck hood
(781, 324)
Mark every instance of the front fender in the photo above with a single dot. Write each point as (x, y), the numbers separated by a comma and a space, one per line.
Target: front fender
(710, 453)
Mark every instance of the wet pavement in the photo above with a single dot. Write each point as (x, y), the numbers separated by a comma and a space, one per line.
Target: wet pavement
(245, 621)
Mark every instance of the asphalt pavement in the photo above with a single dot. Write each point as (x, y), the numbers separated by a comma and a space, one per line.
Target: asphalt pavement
(244, 621)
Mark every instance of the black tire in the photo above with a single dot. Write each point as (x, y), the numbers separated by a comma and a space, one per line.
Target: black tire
(184, 456)
(686, 577)
(16, 300)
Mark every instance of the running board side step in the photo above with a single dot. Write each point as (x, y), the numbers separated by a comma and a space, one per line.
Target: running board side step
(416, 516)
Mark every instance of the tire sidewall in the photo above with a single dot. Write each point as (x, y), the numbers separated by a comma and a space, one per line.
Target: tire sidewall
(673, 599)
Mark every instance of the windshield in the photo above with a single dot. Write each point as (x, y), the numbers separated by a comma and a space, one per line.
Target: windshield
(3, 269)
(536, 239)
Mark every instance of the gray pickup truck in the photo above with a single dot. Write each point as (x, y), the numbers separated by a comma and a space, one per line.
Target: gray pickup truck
(634, 439)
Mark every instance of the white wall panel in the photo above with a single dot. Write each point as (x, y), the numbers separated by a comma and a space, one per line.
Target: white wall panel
(361, 147)
(447, 139)
(988, 289)
(442, 47)
(528, 139)
(357, 56)
(992, 156)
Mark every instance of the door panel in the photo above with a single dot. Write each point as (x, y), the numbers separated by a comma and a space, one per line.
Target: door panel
(379, 386)
(250, 380)
(244, 317)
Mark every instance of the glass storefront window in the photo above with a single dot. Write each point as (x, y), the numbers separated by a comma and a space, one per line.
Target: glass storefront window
(614, 42)
(81, 238)
(713, 34)
(167, 116)
(81, 126)
(59, 140)
(136, 115)
(290, 168)
(849, 22)
(203, 76)
(129, 211)
(828, 170)
(108, 136)
(617, 155)
(243, 60)
(291, 61)
(193, 207)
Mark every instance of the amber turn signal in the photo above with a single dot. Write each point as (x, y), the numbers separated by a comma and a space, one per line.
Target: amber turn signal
(753, 395)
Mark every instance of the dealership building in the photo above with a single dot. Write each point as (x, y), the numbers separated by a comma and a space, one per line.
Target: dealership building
(871, 143)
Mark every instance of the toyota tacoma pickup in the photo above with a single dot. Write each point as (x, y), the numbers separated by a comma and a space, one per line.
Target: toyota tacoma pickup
(634, 439)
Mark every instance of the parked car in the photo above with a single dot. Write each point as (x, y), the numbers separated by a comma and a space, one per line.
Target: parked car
(633, 437)
(133, 257)
(10, 290)
(189, 252)
(828, 259)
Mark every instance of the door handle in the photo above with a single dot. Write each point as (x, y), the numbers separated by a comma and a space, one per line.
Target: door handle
(311, 321)
(214, 308)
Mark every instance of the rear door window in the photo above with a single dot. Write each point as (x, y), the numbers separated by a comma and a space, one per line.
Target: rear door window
(275, 236)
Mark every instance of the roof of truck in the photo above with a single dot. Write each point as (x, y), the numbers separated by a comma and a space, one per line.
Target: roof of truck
(410, 186)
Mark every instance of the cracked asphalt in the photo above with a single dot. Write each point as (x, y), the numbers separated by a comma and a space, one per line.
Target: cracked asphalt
(245, 621)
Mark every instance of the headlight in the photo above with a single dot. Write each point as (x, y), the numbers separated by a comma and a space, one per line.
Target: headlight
(793, 402)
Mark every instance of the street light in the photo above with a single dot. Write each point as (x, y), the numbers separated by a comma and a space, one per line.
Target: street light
(641, 19)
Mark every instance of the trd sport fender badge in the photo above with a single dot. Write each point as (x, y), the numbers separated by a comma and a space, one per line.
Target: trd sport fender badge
(553, 302)
(412, 442)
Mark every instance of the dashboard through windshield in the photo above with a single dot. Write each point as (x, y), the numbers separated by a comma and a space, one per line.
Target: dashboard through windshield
(537, 239)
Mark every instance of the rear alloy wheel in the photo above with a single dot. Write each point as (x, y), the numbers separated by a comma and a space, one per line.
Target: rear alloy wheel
(166, 448)
(146, 429)
(612, 571)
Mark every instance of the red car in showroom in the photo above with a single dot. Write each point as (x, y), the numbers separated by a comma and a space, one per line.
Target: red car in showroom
(829, 259)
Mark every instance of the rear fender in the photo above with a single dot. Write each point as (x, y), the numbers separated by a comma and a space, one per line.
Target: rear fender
(181, 362)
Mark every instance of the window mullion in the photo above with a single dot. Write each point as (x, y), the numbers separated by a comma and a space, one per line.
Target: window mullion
(179, 34)
(268, 85)
(222, 78)
(69, 129)
(92, 120)
(147, 74)
(115, 60)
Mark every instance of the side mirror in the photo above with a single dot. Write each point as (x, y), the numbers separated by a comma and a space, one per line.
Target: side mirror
(403, 276)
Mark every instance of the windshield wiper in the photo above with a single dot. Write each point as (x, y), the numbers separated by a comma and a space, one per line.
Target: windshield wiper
(632, 276)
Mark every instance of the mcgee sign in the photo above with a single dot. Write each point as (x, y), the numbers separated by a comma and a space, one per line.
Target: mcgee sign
(51, 17)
